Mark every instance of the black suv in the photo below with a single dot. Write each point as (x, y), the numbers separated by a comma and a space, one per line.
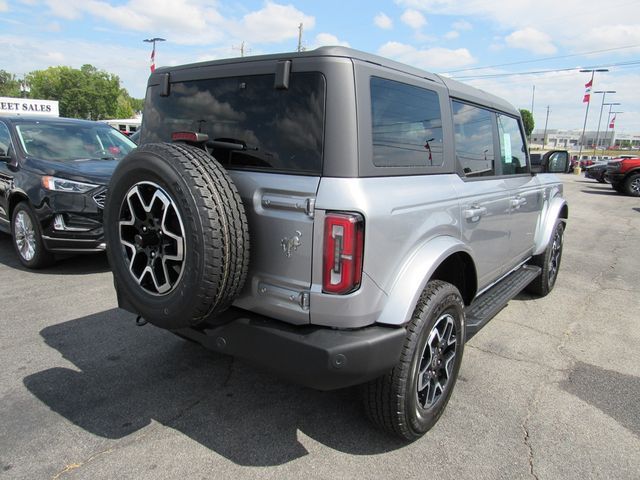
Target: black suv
(53, 176)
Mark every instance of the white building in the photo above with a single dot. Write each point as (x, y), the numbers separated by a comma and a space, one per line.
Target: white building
(572, 139)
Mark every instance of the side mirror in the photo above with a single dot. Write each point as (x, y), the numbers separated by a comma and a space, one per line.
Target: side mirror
(556, 162)
(4, 155)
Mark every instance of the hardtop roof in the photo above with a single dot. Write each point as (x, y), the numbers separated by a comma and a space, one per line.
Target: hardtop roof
(456, 89)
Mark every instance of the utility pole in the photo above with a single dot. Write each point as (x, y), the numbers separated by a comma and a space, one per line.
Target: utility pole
(586, 113)
(300, 47)
(604, 94)
(242, 49)
(544, 135)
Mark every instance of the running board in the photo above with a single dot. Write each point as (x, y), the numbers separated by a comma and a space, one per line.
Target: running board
(489, 304)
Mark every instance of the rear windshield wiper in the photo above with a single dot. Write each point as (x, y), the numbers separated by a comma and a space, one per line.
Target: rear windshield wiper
(230, 144)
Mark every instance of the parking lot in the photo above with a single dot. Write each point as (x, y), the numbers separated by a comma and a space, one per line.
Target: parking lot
(549, 389)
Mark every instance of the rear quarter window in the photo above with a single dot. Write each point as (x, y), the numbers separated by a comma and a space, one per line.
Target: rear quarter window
(406, 125)
(280, 130)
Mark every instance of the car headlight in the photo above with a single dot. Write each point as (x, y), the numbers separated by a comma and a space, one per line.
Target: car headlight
(63, 185)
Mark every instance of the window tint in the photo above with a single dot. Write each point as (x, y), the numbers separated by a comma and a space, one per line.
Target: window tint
(250, 124)
(473, 129)
(512, 147)
(406, 125)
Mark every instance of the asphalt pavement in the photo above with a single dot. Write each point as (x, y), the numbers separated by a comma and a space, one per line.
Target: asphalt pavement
(550, 389)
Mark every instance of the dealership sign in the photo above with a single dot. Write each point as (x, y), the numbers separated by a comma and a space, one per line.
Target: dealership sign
(28, 106)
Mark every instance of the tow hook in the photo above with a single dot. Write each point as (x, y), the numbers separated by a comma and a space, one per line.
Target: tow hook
(141, 322)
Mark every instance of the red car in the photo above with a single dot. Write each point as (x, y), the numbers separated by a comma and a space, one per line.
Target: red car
(624, 175)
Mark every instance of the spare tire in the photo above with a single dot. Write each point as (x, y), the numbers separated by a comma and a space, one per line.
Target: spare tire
(177, 235)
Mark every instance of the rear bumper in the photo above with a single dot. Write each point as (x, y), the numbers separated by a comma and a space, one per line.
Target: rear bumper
(316, 357)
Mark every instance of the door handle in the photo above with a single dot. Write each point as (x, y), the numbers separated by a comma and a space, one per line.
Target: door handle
(518, 201)
(474, 212)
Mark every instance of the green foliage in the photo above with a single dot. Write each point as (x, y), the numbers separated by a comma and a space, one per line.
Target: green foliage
(86, 93)
(9, 85)
(527, 120)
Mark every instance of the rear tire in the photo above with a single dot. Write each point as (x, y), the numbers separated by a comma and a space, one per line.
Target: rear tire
(409, 400)
(549, 262)
(177, 235)
(632, 185)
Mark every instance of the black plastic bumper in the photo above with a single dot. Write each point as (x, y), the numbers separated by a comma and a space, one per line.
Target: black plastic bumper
(315, 357)
(614, 177)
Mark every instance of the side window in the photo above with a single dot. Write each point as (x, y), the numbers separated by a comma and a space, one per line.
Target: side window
(5, 139)
(406, 125)
(473, 128)
(513, 158)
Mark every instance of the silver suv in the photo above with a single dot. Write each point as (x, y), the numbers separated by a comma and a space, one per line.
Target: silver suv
(335, 217)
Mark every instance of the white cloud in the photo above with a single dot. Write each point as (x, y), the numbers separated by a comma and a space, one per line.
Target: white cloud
(429, 59)
(273, 23)
(4, 7)
(326, 39)
(381, 20)
(462, 25)
(189, 22)
(617, 29)
(452, 35)
(413, 18)
(532, 40)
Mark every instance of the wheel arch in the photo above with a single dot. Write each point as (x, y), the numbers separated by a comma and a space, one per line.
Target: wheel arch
(557, 209)
(14, 200)
(442, 258)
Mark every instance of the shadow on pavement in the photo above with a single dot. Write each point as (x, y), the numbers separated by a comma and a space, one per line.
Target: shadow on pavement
(601, 192)
(129, 376)
(613, 393)
(66, 264)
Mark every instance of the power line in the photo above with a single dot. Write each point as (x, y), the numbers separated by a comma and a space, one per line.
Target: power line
(540, 72)
(593, 52)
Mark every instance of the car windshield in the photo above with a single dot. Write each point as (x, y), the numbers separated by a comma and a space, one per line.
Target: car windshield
(72, 142)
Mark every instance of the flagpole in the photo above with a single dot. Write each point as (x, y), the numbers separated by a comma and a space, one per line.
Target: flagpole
(586, 113)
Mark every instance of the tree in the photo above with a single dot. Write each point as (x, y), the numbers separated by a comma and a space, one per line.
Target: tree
(527, 120)
(9, 85)
(86, 93)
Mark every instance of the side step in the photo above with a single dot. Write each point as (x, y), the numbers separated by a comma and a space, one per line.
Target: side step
(489, 304)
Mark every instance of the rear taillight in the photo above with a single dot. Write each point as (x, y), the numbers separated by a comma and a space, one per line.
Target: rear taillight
(343, 249)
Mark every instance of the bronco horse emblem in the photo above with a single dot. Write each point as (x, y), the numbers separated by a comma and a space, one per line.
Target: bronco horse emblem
(290, 245)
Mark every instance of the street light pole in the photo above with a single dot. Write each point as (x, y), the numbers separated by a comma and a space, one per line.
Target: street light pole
(586, 113)
(609, 123)
(606, 132)
(604, 94)
(153, 50)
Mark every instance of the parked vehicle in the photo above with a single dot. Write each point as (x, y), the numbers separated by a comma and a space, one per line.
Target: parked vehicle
(53, 177)
(624, 175)
(596, 171)
(126, 126)
(392, 213)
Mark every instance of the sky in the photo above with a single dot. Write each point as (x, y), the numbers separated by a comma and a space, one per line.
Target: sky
(505, 47)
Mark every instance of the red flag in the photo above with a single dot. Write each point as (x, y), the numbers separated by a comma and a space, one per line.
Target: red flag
(587, 92)
(613, 121)
(153, 59)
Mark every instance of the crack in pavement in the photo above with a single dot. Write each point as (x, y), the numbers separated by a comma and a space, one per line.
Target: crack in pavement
(515, 359)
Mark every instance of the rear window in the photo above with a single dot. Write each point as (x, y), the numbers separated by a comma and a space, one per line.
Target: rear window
(406, 125)
(250, 124)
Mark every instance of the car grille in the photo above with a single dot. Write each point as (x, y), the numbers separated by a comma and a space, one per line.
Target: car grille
(99, 198)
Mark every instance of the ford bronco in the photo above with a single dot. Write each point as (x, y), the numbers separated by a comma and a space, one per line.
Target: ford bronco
(335, 217)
